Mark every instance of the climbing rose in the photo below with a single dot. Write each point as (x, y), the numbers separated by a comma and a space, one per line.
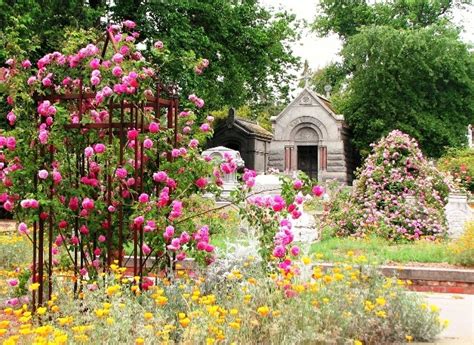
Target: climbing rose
(154, 127)
(143, 198)
(201, 182)
(88, 204)
(22, 228)
(318, 190)
(43, 174)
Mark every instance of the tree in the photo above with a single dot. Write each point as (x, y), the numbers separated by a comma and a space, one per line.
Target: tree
(419, 81)
(404, 67)
(346, 18)
(248, 47)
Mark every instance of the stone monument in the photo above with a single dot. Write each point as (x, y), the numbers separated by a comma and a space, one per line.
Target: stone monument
(219, 154)
(458, 213)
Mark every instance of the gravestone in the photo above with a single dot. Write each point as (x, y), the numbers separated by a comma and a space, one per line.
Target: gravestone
(458, 213)
(305, 228)
(219, 154)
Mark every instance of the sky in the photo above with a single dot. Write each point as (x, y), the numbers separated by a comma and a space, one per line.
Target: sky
(321, 51)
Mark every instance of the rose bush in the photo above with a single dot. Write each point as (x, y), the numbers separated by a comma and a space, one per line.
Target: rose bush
(398, 195)
(81, 181)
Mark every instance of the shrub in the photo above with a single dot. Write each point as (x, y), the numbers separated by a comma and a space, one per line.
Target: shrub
(463, 247)
(346, 304)
(398, 195)
(459, 163)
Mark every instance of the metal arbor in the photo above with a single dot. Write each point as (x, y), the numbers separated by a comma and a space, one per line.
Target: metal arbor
(123, 115)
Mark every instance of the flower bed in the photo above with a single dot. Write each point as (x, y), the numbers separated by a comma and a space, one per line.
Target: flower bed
(343, 304)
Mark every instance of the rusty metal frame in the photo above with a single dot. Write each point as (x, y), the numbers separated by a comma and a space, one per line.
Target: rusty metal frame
(42, 272)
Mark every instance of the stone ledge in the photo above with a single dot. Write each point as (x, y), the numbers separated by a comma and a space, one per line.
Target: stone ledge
(423, 273)
(429, 279)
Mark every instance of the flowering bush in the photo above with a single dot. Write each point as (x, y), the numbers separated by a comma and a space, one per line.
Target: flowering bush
(398, 195)
(350, 303)
(459, 163)
(65, 168)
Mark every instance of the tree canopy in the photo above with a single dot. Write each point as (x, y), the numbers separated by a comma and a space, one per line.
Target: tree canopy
(247, 45)
(404, 67)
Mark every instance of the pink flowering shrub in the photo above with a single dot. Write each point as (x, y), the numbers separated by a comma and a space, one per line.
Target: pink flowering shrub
(399, 195)
(86, 202)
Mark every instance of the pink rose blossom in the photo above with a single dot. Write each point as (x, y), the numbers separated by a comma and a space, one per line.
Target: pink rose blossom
(43, 174)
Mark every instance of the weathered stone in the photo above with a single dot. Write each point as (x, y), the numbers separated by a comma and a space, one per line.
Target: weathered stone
(458, 213)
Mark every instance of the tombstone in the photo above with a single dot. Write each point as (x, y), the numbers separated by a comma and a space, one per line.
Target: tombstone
(267, 185)
(458, 213)
(219, 153)
(305, 227)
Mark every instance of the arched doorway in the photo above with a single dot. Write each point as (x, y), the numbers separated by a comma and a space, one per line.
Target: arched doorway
(306, 141)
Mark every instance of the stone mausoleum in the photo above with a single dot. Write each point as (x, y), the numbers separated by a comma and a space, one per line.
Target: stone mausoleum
(245, 136)
(307, 136)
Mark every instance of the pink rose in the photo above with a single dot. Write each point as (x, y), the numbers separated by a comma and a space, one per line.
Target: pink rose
(148, 143)
(154, 127)
(318, 191)
(143, 198)
(99, 148)
(43, 174)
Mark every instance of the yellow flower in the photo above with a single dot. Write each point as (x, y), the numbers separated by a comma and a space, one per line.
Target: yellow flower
(358, 342)
(382, 314)
(107, 305)
(110, 321)
(263, 311)
(234, 311)
(139, 341)
(34, 286)
(41, 310)
(161, 300)
(306, 260)
(111, 290)
(409, 338)
(148, 316)
(299, 288)
(350, 253)
(380, 301)
(184, 322)
(234, 325)
(434, 308)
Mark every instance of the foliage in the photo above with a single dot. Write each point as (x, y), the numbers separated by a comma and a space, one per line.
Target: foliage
(346, 18)
(248, 46)
(37, 27)
(15, 250)
(398, 195)
(332, 74)
(463, 247)
(404, 67)
(245, 307)
(382, 251)
(417, 81)
(259, 113)
(459, 163)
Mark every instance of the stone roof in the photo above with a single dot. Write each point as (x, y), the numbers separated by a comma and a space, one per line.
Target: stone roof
(253, 127)
(247, 126)
(323, 101)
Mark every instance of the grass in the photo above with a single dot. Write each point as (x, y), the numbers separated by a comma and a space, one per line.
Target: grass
(381, 251)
